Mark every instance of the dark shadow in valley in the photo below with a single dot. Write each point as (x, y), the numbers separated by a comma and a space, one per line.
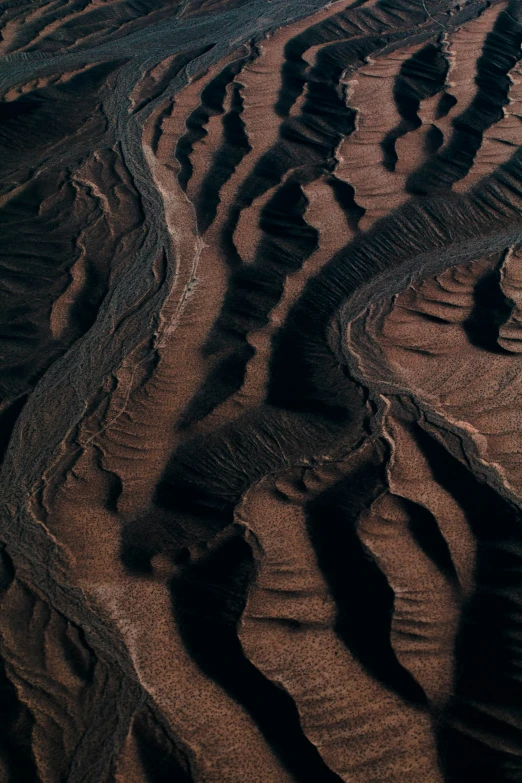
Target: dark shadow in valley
(361, 591)
(482, 738)
(208, 598)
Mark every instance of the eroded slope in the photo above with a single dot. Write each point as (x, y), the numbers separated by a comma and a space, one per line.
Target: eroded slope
(261, 280)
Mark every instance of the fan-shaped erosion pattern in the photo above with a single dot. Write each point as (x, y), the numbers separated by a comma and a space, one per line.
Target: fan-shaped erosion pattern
(261, 400)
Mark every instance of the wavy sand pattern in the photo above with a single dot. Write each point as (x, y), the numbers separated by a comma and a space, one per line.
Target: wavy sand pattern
(261, 325)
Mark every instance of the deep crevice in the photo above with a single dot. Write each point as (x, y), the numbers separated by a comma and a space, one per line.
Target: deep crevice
(491, 309)
(231, 152)
(500, 53)
(483, 738)
(361, 591)
(422, 76)
(211, 104)
(208, 601)
(427, 534)
(254, 290)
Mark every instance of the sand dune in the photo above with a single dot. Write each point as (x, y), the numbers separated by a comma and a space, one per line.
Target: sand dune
(261, 325)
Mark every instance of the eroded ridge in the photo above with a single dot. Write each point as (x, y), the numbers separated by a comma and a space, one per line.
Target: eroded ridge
(261, 280)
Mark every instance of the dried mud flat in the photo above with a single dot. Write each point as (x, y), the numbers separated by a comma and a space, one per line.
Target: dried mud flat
(261, 415)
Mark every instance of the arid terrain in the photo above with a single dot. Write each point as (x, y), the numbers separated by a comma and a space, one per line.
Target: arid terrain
(261, 391)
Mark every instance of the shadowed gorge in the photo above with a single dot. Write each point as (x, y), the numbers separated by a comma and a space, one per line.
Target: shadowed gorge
(260, 399)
